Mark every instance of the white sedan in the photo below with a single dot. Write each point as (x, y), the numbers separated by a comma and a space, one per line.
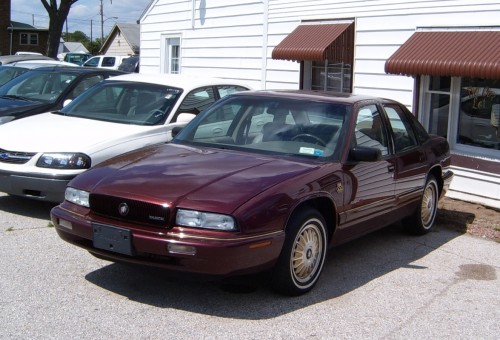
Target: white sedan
(40, 154)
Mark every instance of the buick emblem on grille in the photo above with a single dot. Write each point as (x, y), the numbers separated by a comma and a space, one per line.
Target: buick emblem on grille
(4, 155)
(123, 209)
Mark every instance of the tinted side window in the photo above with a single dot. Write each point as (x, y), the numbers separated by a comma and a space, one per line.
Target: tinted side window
(404, 137)
(108, 61)
(369, 129)
(85, 84)
(198, 100)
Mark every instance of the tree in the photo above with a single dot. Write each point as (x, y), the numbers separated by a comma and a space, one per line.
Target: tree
(75, 36)
(57, 18)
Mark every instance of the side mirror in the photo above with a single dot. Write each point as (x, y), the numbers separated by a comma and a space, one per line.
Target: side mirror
(67, 101)
(176, 130)
(365, 154)
(185, 117)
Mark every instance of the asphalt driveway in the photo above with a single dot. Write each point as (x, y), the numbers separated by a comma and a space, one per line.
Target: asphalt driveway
(387, 285)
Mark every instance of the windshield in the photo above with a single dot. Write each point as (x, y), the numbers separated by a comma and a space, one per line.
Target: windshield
(10, 72)
(269, 125)
(44, 86)
(125, 102)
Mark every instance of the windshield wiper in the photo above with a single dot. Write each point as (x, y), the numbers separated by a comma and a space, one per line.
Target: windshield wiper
(12, 96)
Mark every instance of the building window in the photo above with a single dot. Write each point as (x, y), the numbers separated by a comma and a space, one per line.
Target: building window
(327, 76)
(28, 39)
(466, 111)
(172, 55)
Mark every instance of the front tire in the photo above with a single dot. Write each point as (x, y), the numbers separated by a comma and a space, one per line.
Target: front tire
(301, 260)
(422, 221)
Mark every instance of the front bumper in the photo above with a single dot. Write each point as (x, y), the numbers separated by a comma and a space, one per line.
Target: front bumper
(221, 256)
(30, 186)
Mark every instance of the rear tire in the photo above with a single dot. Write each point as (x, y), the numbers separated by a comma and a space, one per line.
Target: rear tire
(301, 260)
(422, 220)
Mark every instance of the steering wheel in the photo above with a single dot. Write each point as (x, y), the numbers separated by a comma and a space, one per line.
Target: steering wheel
(306, 137)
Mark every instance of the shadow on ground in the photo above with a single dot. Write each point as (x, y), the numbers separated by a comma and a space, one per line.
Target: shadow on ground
(347, 268)
(26, 207)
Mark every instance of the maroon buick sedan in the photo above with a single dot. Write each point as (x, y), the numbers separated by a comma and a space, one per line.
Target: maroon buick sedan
(261, 181)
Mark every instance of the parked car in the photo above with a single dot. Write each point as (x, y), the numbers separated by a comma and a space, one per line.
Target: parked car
(130, 64)
(27, 53)
(105, 61)
(77, 57)
(259, 181)
(15, 69)
(40, 154)
(7, 59)
(46, 88)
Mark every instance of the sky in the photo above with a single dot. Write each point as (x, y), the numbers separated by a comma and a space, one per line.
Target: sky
(82, 14)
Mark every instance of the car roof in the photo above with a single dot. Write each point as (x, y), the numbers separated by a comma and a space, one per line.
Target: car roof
(74, 69)
(348, 98)
(40, 63)
(7, 59)
(177, 80)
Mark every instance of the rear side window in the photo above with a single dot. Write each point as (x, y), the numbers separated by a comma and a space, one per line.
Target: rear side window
(404, 137)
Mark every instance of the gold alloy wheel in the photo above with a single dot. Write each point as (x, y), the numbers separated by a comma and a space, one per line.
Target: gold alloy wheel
(307, 252)
(429, 201)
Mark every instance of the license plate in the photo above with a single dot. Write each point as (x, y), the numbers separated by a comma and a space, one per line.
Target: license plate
(115, 239)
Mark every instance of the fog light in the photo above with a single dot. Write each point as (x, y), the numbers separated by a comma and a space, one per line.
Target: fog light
(65, 224)
(181, 249)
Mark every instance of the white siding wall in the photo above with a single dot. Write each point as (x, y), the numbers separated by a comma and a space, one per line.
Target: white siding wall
(228, 38)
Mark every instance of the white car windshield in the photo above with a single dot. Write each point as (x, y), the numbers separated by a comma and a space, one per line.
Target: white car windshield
(269, 125)
(125, 102)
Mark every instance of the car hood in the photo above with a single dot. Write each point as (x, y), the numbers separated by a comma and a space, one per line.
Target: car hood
(12, 107)
(205, 179)
(49, 132)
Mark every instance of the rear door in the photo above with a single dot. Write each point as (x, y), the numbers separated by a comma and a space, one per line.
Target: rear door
(410, 159)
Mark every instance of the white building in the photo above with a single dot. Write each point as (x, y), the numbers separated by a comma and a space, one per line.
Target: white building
(440, 58)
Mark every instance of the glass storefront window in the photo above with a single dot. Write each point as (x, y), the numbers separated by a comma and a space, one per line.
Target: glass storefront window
(479, 116)
(441, 84)
(439, 114)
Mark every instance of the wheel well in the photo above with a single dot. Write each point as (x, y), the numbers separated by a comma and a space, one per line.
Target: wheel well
(326, 208)
(437, 173)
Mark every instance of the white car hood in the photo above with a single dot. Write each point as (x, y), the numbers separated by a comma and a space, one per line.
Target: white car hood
(50, 132)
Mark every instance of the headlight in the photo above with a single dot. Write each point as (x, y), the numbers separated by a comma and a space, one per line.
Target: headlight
(76, 196)
(199, 219)
(64, 160)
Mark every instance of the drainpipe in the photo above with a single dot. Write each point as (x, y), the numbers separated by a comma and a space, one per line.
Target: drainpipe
(11, 28)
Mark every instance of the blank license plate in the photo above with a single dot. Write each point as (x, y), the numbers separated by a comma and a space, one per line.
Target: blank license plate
(115, 239)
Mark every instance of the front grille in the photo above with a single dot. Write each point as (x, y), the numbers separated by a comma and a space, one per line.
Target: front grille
(129, 210)
(15, 157)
